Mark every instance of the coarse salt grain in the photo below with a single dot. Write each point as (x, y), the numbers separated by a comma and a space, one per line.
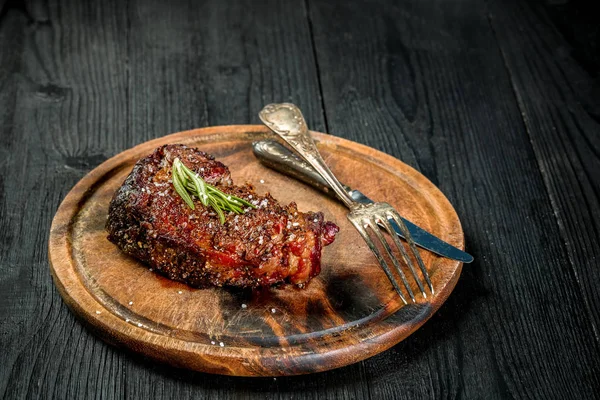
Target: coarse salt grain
(244, 306)
(180, 292)
(221, 344)
(131, 302)
(295, 224)
(212, 342)
(273, 310)
(98, 312)
(262, 181)
(139, 324)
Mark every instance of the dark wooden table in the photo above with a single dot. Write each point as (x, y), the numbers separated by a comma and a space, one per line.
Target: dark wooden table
(497, 102)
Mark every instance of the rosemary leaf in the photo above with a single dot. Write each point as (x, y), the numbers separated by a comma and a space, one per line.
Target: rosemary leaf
(187, 184)
(183, 192)
(218, 210)
(198, 183)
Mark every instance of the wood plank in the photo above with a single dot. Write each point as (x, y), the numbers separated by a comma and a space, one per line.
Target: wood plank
(12, 325)
(576, 24)
(84, 81)
(558, 98)
(426, 82)
(58, 122)
(194, 65)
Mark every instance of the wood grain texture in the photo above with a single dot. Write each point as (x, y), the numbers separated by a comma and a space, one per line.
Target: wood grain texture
(15, 293)
(79, 83)
(57, 130)
(69, 101)
(429, 84)
(559, 101)
(209, 64)
(348, 313)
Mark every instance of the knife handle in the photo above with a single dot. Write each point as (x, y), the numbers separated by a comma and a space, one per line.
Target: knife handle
(275, 155)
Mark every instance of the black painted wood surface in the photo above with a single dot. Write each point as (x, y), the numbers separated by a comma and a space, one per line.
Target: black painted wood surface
(496, 102)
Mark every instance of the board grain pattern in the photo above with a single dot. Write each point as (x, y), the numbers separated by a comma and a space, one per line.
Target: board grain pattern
(350, 312)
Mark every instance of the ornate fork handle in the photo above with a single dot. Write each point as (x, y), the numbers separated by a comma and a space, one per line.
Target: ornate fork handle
(286, 120)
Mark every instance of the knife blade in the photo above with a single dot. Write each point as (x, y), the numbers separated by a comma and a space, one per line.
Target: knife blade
(276, 156)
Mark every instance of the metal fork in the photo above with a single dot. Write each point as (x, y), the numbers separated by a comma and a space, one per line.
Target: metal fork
(286, 120)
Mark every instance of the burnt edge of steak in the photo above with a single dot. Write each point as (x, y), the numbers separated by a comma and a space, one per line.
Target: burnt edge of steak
(266, 245)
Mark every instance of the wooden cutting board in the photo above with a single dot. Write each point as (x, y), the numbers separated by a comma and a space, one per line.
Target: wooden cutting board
(348, 313)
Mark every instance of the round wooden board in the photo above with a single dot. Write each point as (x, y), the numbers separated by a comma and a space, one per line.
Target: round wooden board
(348, 313)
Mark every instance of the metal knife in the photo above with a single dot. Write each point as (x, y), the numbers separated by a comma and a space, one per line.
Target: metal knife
(278, 157)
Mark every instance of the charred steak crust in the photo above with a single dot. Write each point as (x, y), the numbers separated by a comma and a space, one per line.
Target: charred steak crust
(270, 244)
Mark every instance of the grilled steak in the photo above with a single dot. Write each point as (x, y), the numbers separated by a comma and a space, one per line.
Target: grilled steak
(266, 245)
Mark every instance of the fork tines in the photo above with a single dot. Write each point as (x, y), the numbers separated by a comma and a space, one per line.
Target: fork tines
(381, 215)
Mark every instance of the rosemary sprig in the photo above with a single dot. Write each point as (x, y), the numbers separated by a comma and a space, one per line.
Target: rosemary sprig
(188, 184)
